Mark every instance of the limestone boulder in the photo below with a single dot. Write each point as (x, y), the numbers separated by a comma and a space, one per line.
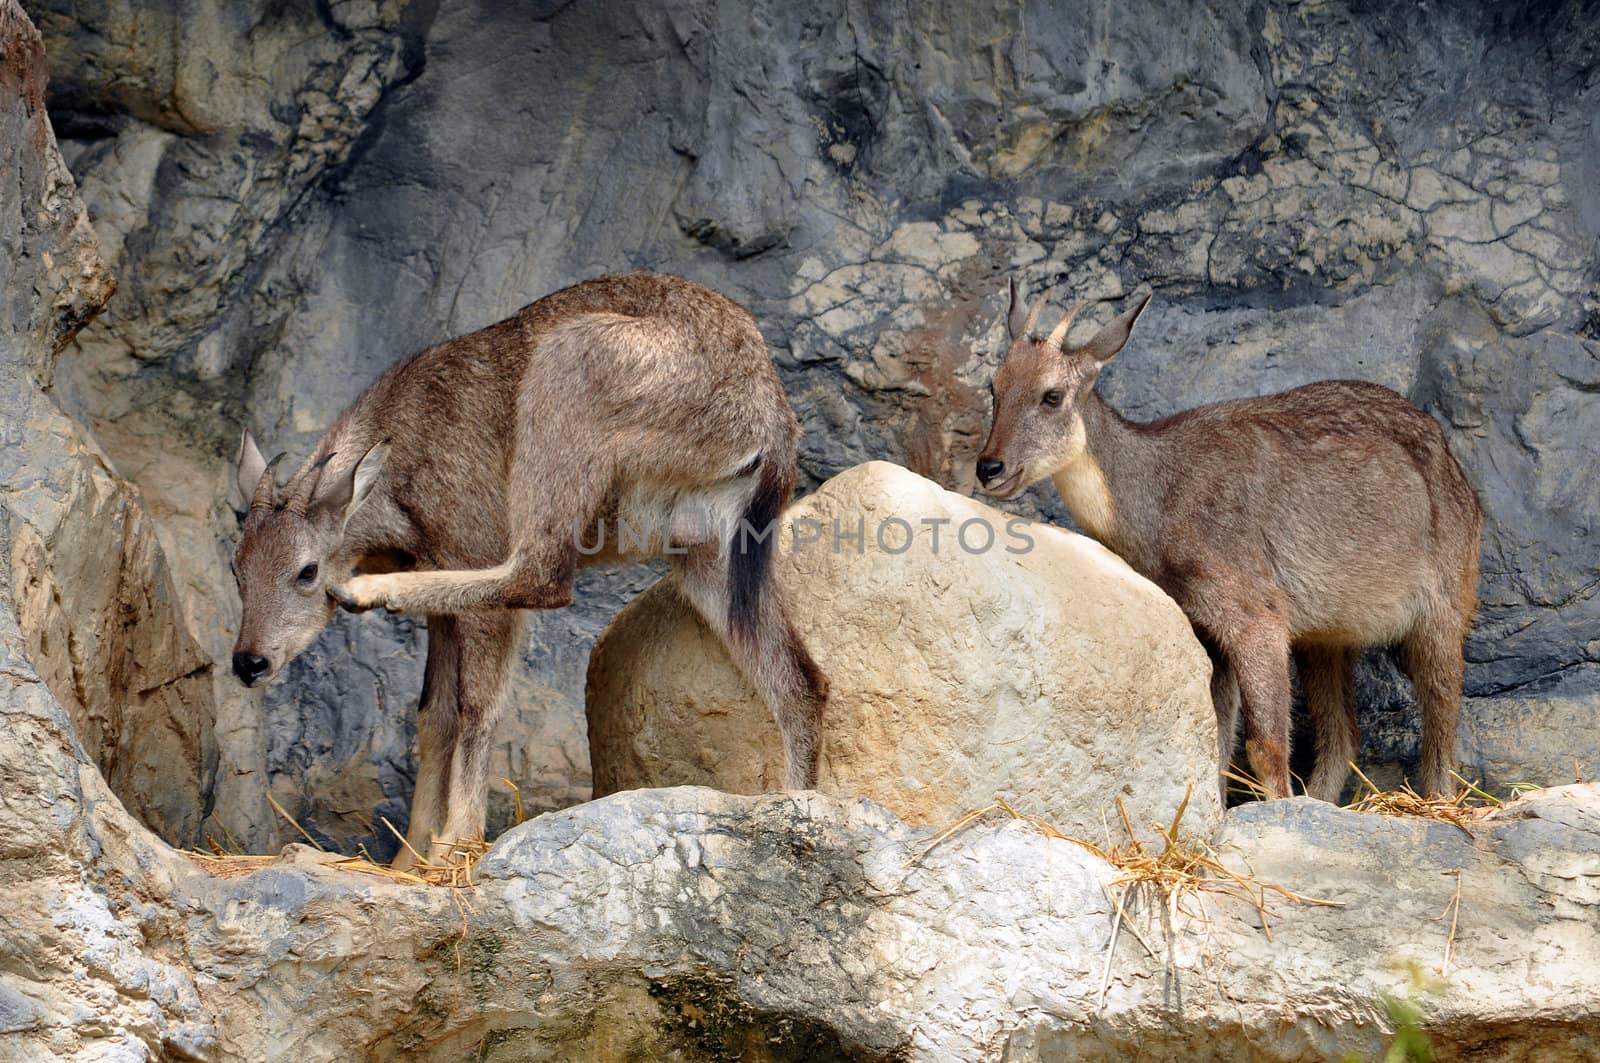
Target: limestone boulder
(970, 654)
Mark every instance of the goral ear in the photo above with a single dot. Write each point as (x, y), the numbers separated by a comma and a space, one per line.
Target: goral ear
(251, 467)
(1111, 339)
(342, 494)
(1016, 314)
(1019, 319)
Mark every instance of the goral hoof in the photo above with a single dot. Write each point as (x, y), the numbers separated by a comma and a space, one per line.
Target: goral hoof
(346, 600)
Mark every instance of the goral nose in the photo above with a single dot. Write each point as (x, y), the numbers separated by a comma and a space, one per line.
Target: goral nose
(249, 667)
(989, 470)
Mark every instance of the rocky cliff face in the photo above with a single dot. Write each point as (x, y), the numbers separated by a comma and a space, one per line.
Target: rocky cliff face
(295, 196)
(679, 923)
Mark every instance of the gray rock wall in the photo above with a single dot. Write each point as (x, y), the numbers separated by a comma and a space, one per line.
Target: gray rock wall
(681, 923)
(295, 199)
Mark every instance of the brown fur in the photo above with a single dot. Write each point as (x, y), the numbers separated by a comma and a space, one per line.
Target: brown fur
(459, 480)
(1312, 523)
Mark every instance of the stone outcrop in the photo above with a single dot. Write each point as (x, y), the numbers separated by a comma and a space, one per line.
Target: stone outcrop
(970, 654)
(697, 925)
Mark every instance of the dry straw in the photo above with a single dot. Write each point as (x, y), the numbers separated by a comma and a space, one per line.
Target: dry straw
(455, 870)
(1469, 804)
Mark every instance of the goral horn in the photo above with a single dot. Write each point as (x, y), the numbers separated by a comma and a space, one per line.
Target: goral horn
(1033, 314)
(267, 487)
(1058, 335)
(307, 487)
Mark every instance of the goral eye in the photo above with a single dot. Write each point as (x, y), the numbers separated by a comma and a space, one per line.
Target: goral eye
(308, 574)
(1051, 399)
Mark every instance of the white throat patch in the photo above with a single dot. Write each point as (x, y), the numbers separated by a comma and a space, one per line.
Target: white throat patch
(1082, 485)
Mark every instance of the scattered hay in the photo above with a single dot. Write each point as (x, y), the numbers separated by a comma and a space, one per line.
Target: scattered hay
(1243, 784)
(280, 810)
(455, 871)
(1453, 910)
(1182, 867)
(1470, 804)
(227, 865)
